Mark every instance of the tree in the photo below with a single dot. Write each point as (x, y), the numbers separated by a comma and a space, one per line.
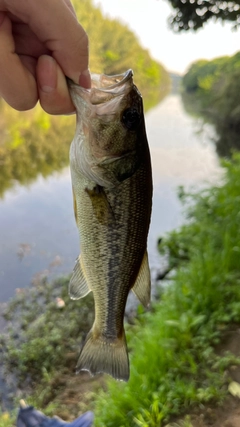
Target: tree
(192, 14)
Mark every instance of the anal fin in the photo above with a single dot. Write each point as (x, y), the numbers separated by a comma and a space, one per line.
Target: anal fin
(78, 286)
(142, 285)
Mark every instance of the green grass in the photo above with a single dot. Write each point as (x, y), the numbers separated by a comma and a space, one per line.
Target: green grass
(7, 420)
(173, 362)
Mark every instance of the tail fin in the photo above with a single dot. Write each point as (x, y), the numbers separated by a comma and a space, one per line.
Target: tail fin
(100, 355)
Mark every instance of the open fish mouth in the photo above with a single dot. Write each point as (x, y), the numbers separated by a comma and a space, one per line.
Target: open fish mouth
(104, 88)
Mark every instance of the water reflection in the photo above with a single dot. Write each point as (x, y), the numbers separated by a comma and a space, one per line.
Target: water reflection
(226, 132)
(32, 142)
(180, 156)
(38, 235)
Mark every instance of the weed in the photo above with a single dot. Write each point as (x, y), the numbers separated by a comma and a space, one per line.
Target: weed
(7, 419)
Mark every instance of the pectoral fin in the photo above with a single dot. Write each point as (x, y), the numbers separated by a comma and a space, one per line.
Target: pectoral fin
(121, 168)
(101, 207)
(78, 286)
(142, 285)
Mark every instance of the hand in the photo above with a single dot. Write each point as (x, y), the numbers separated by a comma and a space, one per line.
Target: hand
(41, 42)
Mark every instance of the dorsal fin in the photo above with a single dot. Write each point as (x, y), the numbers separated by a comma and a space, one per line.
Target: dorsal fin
(78, 286)
(142, 285)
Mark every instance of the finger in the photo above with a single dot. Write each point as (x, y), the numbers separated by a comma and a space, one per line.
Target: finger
(17, 83)
(56, 25)
(69, 4)
(26, 42)
(52, 87)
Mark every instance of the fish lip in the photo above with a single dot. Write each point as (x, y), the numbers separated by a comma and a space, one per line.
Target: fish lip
(103, 88)
(104, 82)
(110, 82)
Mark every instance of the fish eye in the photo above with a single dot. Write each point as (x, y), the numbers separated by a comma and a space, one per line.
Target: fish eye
(131, 118)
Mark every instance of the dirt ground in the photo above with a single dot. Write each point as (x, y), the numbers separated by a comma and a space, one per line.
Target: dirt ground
(227, 414)
(75, 393)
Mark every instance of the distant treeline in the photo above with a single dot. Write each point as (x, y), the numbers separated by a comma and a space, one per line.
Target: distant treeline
(34, 142)
(211, 88)
(114, 48)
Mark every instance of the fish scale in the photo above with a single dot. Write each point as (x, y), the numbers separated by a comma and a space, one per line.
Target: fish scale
(112, 189)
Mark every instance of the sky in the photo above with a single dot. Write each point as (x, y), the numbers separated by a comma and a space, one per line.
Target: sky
(149, 21)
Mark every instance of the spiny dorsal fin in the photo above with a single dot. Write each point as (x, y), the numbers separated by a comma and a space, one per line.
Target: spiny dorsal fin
(142, 285)
(78, 286)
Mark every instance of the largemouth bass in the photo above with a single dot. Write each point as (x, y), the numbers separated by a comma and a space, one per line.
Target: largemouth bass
(112, 191)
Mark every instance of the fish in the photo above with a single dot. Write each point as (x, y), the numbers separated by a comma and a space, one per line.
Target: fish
(112, 192)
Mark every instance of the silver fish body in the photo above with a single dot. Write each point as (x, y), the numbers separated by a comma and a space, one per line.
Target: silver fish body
(112, 190)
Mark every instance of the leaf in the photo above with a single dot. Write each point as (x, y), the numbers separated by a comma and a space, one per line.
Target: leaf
(234, 389)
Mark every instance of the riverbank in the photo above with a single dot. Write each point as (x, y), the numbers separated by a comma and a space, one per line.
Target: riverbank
(179, 363)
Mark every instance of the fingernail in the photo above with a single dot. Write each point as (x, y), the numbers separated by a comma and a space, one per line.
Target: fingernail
(47, 89)
(48, 79)
(2, 16)
(85, 79)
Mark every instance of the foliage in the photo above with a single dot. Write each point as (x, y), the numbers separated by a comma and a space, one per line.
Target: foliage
(211, 89)
(114, 48)
(32, 143)
(216, 69)
(193, 14)
(41, 335)
(173, 362)
(6, 419)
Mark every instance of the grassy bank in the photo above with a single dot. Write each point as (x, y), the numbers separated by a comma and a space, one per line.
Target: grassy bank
(176, 364)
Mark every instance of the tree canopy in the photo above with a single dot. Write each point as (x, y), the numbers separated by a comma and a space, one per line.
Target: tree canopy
(192, 14)
(114, 48)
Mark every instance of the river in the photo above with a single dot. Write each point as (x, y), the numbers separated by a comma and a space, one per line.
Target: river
(38, 235)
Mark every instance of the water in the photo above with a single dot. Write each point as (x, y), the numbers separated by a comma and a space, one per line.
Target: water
(38, 235)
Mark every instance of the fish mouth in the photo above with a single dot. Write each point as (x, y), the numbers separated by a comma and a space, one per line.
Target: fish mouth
(103, 89)
(106, 83)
